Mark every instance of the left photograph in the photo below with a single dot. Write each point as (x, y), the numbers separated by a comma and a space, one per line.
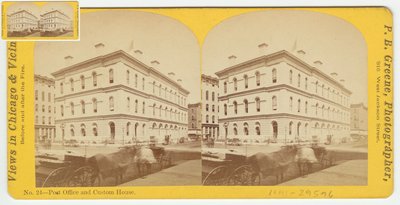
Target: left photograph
(113, 108)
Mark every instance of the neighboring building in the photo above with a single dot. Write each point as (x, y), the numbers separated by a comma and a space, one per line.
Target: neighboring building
(359, 121)
(116, 98)
(44, 109)
(22, 21)
(194, 121)
(210, 109)
(55, 20)
(279, 97)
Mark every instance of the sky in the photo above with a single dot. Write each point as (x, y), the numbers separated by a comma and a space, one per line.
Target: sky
(158, 37)
(335, 42)
(28, 6)
(38, 10)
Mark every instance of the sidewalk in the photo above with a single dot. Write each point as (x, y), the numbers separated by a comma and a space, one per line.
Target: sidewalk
(353, 172)
(186, 173)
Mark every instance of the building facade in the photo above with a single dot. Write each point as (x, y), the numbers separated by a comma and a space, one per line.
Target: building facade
(116, 98)
(194, 123)
(210, 107)
(44, 109)
(278, 97)
(22, 21)
(359, 121)
(55, 21)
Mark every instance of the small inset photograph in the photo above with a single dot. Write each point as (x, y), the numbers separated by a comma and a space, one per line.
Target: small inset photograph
(39, 20)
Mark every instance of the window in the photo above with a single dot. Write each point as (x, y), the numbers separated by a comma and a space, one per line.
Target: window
(62, 110)
(136, 80)
(83, 130)
(94, 78)
(49, 97)
(111, 103)
(246, 129)
(316, 87)
(316, 109)
(136, 106)
(71, 81)
(72, 108)
(144, 107)
(49, 109)
(213, 119)
(94, 100)
(258, 108)
(206, 118)
(43, 108)
(246, 106)
(206, 107)
(225, 109)
(61, 90)
(207, 95)
(298, 80)
(154, 109)
(154, 87)
(246, 81)
(306, 107)
(274, 75)
(36, 95)
(127, 76)
(128, 103)
(235, 84)
(258, 78)
(225, 87)
(274, 103)
(213, 96)
(305, 83)
(213, 108)
(49, 121)
(235, 107)
(36, 119)
(291, 104)
(36, 107)
(111, 76)
(82, 82)
(95, 133)
(127, 128)
(291, 77)
(43, 96)
(43, 120)
(298, 105)
(143, 83)
(290, 128)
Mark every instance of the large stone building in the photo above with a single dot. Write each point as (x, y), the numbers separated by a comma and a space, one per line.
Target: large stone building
(194, 121)
(22, 20)
(210, 109)
(117, 98)
(44, 109)
(278, 97)
(359, 121)
(55, 20)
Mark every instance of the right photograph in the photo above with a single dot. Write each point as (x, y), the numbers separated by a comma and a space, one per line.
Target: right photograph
(284, 101)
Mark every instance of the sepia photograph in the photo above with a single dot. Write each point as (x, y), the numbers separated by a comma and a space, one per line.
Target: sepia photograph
(284, 101)
(113, 108)
(27, 19)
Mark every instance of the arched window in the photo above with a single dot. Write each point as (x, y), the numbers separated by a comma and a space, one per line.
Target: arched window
(72, 108)
(213, 96)
(274, 130)
(258, 130)
(127, 76)
(298, 80)
(136, 80)
(246, 81)
(94, 100)
(235, 107)
(206, 118)
(213, 108)
(72, 131)
(82, 82)
(62, 110)
(291, 77)
(112, 130)
(207, 107)
(128, 103)
(235, 84)
(159, 90)
(235, 131)
(258, 78)
(274, 103)
(207, 95)
(83, 130)
(298, 105)
(323, 110)
(49, 109)
(225, 87)
(154, 109)
(83, 107)
(71, 81)
(316, 109)
(154, 87)
(128, 126)
(246, 128)
(143, 83)
(111, 76)
(274, 75)
(213, 119)
(61, 88)
(291, 103)
(316, 87)
(136, 106)
(322, 90)
(246, 106)
(225, 109)
(258, 107)
(94, 129)
(111, 103)
(94, 78)
(305, 83)
(290, 128)
(144, 107)
(160, 110)
(306, 107)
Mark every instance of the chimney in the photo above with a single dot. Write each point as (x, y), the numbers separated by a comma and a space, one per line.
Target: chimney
(318, 63)
(179, 81)
(262, 48)
(334, 75)
(68, 60)
(137, 54)
(342, 80)
(155, 63)
(301, 52)
(99, 48)
(171, 74)
(232, 59)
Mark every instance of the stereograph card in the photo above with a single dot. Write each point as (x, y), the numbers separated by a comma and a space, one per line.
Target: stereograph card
(134, 103)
